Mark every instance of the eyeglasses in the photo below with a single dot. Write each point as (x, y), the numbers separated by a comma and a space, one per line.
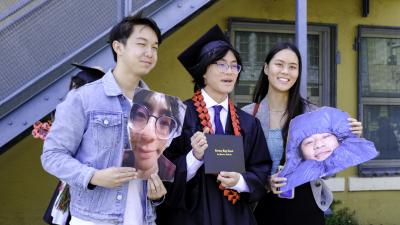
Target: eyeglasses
(224, 67)
(165, 126)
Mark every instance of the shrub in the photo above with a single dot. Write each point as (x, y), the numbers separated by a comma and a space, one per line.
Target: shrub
(342, 216)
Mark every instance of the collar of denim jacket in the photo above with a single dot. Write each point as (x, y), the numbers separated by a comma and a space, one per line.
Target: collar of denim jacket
(111, 87)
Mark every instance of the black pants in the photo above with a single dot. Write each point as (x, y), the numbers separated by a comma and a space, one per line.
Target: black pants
(302, 210)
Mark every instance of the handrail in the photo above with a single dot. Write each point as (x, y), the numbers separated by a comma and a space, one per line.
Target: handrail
(41, 97)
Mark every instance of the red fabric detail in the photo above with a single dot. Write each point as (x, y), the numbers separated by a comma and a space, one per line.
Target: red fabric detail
(40, 129)
(232, 195)
(198, 100)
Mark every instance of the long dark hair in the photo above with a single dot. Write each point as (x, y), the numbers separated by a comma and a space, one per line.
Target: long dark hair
(296, 104)
(204, 61)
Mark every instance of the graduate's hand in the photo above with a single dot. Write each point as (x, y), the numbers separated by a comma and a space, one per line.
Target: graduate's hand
(155, 188)
(228, 179)
(355, 126)
(199, 143)
(276, 182)
(113, 177)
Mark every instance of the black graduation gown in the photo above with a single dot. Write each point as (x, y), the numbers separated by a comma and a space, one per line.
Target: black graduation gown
(302, 210)
(199, 201)
(47, 214)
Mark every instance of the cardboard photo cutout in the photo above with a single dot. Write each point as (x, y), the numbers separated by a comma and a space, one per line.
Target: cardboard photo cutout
(320, 143)
(154, 120)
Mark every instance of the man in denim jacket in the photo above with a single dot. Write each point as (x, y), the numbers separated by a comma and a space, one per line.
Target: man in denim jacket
(86, 142)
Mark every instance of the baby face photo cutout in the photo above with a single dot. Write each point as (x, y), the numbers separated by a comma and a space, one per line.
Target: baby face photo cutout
(155, 119)
(320, 143)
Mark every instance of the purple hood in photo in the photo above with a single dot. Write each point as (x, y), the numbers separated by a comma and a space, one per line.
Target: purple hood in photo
(352, 150)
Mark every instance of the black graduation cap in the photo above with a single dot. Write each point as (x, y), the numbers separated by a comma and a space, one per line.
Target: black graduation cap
(88, 74)
(212, 39)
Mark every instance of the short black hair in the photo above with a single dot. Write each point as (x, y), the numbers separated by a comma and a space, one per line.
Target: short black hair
(123, 30)
(211, 57)
(212, 46)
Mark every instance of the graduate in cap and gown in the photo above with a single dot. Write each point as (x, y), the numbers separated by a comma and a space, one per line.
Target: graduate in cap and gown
(197, 198)
(57, 211)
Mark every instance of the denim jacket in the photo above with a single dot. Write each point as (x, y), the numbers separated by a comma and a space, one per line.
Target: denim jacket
(321, 192)
(89, 134)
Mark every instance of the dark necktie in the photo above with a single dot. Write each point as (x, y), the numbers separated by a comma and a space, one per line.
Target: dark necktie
(217, 121)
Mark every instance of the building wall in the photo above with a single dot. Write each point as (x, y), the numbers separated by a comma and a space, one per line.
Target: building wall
(371, 207)
(25, 188)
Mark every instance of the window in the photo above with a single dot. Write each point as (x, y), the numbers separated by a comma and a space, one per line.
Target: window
(253, 40)
(379, 96)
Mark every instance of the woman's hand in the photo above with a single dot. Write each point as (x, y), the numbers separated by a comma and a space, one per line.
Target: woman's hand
(276, 182)
(199, 143)
(155, 188)
(228, 179)
(113, 177)
(355, 126)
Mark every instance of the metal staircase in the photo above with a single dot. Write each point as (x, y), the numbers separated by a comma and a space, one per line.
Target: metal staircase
(39, 39)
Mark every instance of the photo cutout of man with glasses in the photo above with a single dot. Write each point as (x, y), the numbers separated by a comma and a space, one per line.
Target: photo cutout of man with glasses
(155, 119)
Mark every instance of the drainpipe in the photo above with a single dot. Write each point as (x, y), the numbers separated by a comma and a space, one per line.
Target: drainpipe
(301, 41)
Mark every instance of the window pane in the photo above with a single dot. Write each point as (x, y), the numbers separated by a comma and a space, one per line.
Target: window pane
(313, 73)
(380, 67)
(379, 63)
(253, 48)
(382, 126)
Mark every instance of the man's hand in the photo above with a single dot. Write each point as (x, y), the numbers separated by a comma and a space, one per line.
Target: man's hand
(355, 126)
(228, 179)
(155, 188)
(199, 143)
(113, 177)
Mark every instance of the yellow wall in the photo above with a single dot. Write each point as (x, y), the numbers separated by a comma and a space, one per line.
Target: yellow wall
(25, 188)
(378, 207)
